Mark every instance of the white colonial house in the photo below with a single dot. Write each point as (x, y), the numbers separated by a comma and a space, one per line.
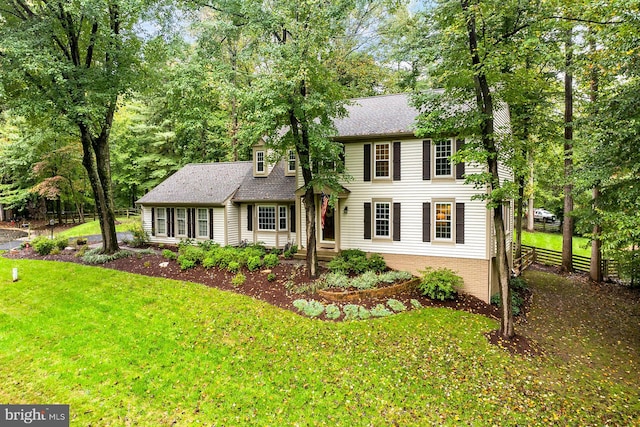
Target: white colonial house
(405, 199)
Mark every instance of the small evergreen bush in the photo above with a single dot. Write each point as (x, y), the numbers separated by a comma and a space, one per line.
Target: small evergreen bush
(186, 263)
(140, 236)
(238, 280)
(441, 284)
(271, 277)
(377, 263)
(43, 245)
(254, 263)
(233, 267)
(271, 260)
(169, 254)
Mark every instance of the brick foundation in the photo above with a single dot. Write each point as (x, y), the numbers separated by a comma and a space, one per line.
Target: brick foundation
(474, 272)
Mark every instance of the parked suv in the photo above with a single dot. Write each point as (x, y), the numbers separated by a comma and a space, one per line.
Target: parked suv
(543, 215)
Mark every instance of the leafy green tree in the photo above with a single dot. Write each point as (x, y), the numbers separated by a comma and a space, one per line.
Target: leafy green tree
(73, 60)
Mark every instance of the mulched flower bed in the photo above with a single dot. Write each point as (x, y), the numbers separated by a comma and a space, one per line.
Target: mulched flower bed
(275, 292)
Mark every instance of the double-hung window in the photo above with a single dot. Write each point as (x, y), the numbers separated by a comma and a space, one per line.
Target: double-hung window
(282, 218)
(382, 160)
(181, 221)
(443, 149)
(259, 162)
(291, 162)
(203, 223)
(266, 218)
(382, 212)
(161, 221)
(444, 221)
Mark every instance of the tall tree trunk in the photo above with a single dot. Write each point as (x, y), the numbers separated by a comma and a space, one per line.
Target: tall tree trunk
(95, 160)
(531, 201)
(595, 268)
(567, 224)
(484, 103)
(519, 214)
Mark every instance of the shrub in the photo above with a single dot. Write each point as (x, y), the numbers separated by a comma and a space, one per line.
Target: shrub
(516, 302)
(186, 263)
(293, 249)
(223, 256)
(518, 284)
(440, 284)
(55, 251)
(348, 254)
(271, 277)
(287, 254)
(169, 254)
(191, 253)
(238, 280)
(332, 311)
(140, 236)
(208, 245)
(254, 263)
(397, 306)
(271, 260)
(359, 265)
(208, 262)
(42, 245)
(377, 263)
(233, 267)
(81, 241)
(339, 264)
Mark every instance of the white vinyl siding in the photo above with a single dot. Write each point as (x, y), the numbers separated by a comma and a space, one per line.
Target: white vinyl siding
(411, 193)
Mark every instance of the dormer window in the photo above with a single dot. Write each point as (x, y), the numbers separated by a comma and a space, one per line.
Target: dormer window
(291, 162)
(260, 162)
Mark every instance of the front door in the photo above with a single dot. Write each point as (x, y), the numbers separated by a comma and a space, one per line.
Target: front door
(328, 225)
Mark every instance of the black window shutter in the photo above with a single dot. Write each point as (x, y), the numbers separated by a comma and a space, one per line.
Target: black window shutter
(250, 217)
(153, 221)
(426, 160)
(170, 222)
(459, 166)
(210, 223)
(189, 223)
(396, 222)
(341, 167)
(292, 218)
(367, 221)
(396, 161)
(193, 223)
(426, 222)
(459, 222)
(367, 162)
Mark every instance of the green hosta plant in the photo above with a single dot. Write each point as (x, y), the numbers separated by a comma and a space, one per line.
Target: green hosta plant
(441, 284)
(271, 260)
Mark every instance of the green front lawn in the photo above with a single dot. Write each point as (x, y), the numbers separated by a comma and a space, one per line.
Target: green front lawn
(131, 350)
(553, 241)
(93, 227)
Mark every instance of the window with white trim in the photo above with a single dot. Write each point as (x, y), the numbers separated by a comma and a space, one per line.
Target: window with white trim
(291, 162)
(266, 218)
(382, 212)
(444, 220)
(382, 162)
(443, 149)
(259, 161)
(282, 218)
(161, 221)
(181, 221)
(203, 223)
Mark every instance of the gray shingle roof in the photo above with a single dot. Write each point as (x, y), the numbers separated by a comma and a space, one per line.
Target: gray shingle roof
(378, 116)
(275, 187)
(200, 184)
